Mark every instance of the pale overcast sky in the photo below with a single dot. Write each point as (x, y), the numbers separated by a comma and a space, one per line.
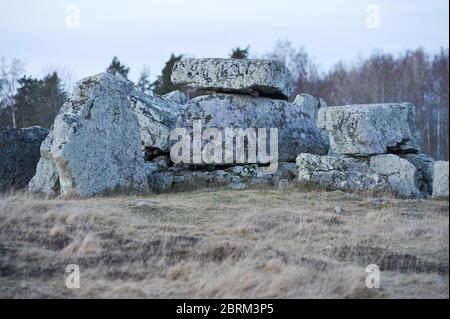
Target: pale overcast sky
(146, 32)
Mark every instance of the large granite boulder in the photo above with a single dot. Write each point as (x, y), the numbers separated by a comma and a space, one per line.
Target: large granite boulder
(256, 77)
(101, 136)
(440, 179)
(96, 139)
(19, 155)
(382, 173)
(297, 132)
(370, 129)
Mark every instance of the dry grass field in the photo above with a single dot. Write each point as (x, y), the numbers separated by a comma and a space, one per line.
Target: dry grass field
(224, 244)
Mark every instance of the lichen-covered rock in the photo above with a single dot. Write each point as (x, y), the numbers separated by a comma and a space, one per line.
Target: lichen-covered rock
(46, 179)
(338, 173)
(177, 97)
(297, 133)
(245, 76)
(96, 141)
(388, 173)
(370, 129)
(400, 174)
(19, 155)
(116, 100)
(309, 104)
(424, 171)
(156, 118)
(440, 179)
(188, 178)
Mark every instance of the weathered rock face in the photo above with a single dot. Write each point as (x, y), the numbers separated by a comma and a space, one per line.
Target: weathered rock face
(309, 104)
(242, 76)
(19, 155)
(335, 172)
(46, 179)
(440, 179)
(96, 141)
(381, 173)
(424, 171)
(370, 129)
(297, 132)
(176, 97)
(92, 148)
(156, 118)
(184, 178)
(399, 173)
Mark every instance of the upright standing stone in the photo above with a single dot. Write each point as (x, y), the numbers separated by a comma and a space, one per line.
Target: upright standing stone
(19, 155)
(440, 179)
(97, 144)
(370, 129)
(243, 76)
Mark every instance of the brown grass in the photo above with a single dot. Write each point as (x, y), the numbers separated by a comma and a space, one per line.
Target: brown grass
(224, 244)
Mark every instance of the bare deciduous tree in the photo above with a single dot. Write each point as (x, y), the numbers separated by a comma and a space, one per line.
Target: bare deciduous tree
(9, 76)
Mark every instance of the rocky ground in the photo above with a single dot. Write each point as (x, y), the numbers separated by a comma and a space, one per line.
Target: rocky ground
(224, 243)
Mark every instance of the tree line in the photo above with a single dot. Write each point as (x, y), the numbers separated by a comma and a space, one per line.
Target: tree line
(415, 76)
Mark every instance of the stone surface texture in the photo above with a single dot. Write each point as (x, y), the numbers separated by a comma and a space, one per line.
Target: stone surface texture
(96, 139)
(177, 97)
(297, 133)
(440, 179)
(46, 179)
(382, 173)
(370, 129)
(244, 76)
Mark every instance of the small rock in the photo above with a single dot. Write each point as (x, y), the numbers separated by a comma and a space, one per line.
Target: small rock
(237, 186)
(163, 164)
(378, 202)
(147, 203)
(283, 185)
(338, 210)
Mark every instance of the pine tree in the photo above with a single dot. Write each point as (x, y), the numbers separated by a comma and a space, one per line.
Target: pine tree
(144, 84)
(116, 67)
(238, 53)
(163, 84)
(37, 102)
